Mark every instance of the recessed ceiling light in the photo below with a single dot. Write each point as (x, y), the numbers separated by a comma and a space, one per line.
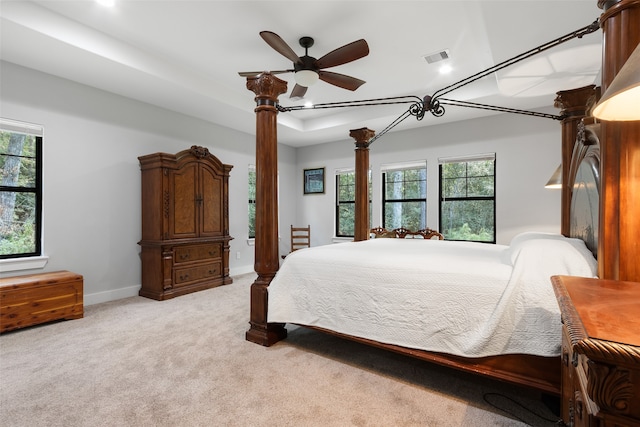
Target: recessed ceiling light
(107, 3)
(445, 69)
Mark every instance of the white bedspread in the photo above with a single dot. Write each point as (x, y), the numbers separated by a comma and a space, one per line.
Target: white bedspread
(461, 298)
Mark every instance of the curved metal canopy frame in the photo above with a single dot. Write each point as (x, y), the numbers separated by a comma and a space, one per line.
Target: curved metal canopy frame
(434, 103)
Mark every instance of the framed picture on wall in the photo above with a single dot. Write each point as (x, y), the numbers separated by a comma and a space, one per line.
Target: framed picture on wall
(314, 181)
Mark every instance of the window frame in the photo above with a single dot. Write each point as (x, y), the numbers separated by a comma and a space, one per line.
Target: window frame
(338, 203)
(13, 126)
(403, 167)
(251, 169)
(441, 199)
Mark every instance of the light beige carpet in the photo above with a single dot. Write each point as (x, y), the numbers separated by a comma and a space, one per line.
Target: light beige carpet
(185, 362)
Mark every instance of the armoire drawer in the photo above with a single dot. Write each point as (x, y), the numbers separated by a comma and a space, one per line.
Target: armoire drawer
(188, 275)
(191, 253)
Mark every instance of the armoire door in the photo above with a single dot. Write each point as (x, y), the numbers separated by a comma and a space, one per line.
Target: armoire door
(183, 203)
(212, 212)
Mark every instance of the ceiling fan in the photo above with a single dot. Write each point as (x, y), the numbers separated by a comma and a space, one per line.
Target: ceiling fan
(308, 69)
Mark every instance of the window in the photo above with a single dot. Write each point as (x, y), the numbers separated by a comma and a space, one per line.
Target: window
(20, 189)
(467, 198)
(251, 196)
(346, 203)
(252, 202)
(404, 196)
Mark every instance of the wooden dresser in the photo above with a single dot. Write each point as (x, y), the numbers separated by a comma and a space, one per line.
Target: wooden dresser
(185, 223)
(600, 351)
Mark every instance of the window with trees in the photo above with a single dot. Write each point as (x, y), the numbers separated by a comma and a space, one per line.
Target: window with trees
(252, 202)
(20, 189)
(467, 198)
(404, 196)
(346, 203)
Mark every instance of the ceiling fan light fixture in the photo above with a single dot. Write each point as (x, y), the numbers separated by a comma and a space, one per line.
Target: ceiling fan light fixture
(306, 78)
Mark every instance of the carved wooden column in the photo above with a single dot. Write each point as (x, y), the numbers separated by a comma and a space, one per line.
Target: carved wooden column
(619, 240)
(267, 88)
(574, 105)
(362, 137)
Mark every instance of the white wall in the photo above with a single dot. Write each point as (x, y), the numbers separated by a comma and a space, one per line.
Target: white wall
(527, 153)
(91, 175)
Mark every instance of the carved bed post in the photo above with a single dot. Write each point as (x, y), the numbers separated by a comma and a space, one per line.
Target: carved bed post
(618, 246)
(267, 88)
(362, 137)
(573, 105)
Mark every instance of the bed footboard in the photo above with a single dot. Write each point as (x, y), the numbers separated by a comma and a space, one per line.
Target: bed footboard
(405, 233)
(536, 372)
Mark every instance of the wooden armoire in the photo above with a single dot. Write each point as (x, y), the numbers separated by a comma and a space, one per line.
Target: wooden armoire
(185, 223)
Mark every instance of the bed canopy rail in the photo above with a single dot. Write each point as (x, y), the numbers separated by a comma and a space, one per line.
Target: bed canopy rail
(434, 104)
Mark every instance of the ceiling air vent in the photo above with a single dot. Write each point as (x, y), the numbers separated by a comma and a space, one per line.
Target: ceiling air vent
(438, 56)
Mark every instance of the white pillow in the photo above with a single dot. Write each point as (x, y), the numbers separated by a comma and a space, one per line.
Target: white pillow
(546, 257)
(511, 253)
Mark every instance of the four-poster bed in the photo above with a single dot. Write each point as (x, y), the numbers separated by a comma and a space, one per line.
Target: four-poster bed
(535, 371)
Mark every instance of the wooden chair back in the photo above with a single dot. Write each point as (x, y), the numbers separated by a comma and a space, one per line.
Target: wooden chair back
(300, 237)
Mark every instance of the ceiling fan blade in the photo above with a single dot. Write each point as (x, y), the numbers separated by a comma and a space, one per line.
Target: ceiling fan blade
(255, 73)
(341, 80)
(279, 45)
(347, 53)
(298, 91)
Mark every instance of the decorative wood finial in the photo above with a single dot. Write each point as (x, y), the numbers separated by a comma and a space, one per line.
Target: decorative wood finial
(362, 136)
(267, 88)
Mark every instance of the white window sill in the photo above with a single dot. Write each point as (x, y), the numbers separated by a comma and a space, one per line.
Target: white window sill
(18, 264)
(341, 239)
(252, 241)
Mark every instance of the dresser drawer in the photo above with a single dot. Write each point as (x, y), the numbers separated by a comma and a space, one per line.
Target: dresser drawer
(183, 254)
(188, 275)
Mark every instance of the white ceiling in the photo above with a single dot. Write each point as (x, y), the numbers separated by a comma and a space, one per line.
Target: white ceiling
(185, 55)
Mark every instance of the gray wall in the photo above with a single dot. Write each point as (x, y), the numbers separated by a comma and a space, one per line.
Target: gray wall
(527, 153)
(92, 177)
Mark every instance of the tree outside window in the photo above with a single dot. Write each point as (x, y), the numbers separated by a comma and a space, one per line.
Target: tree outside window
(404, 198)
(346, 203)
(20, 191)
(467, 199)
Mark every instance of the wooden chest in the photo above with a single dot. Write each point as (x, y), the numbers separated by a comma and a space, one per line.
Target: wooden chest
(38, 298)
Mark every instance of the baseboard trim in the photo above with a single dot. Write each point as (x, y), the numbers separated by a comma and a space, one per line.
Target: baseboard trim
(111, 295)
(132, 291)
